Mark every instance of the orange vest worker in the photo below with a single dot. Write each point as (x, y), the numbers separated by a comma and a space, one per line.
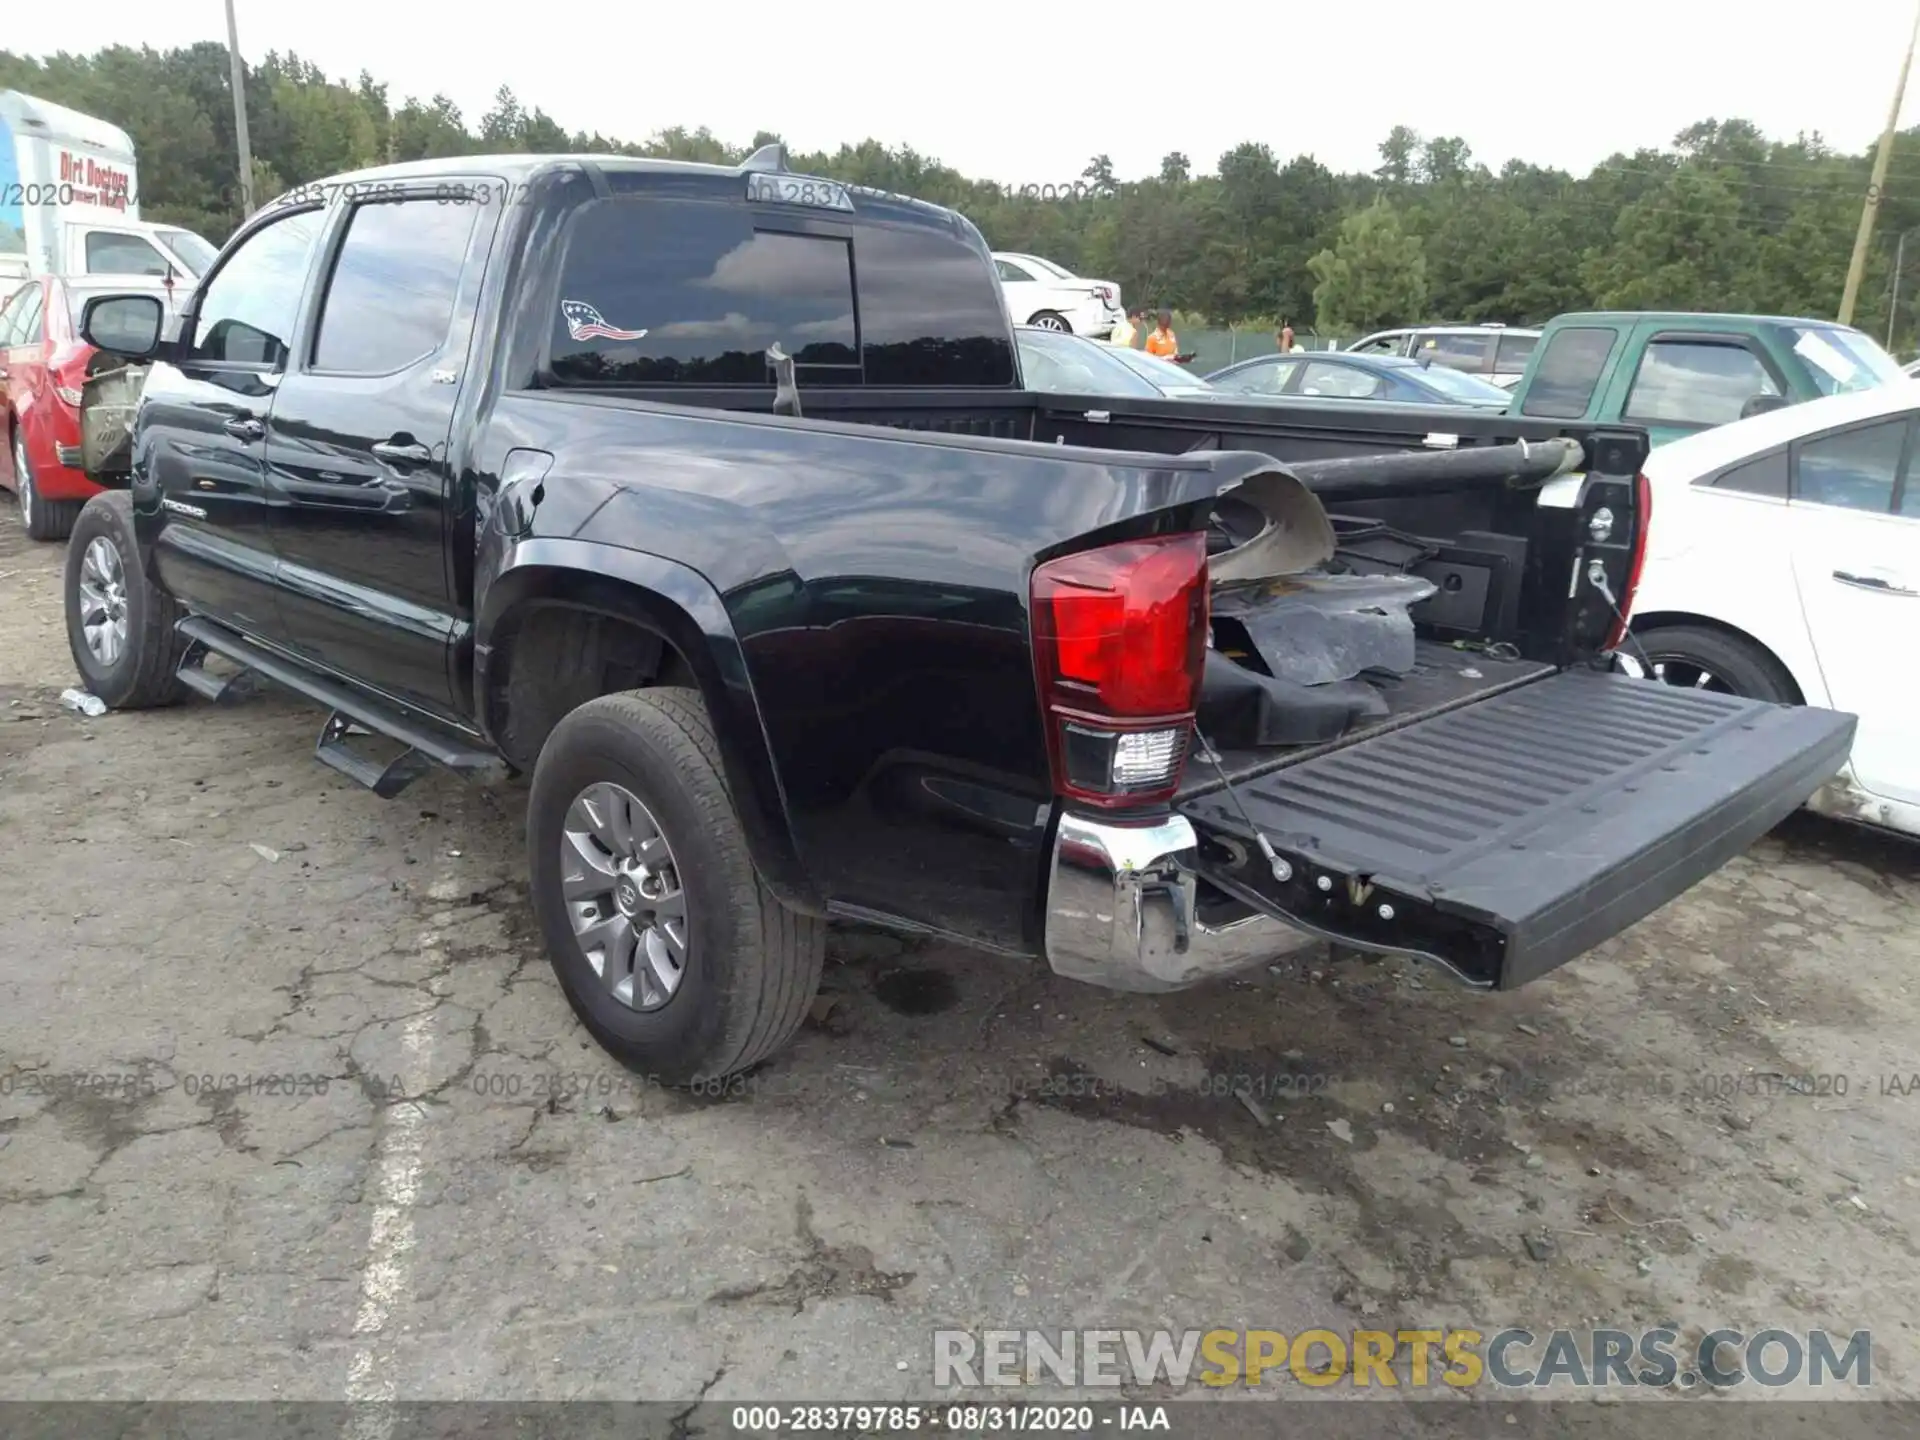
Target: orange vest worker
(1161, 342)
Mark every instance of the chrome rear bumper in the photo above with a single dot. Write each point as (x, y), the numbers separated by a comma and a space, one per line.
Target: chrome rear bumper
(1121, 913)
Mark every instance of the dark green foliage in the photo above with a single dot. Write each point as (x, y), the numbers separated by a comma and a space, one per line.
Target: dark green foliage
(1727, 218)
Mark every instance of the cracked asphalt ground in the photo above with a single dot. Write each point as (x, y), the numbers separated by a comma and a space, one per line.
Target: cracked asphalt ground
(450, 1192)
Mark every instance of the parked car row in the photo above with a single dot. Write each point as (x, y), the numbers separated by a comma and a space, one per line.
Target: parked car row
(44, 366)
(1496, 353)
(1049, 297)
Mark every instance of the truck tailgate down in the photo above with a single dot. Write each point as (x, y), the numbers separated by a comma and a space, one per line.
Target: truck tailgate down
(1509, 836)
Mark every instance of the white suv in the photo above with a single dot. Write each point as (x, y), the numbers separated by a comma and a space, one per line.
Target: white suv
(1042, 294)
(1494, 352)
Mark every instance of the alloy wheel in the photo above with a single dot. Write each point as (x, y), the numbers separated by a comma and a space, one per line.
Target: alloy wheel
(623, 895)
(103, 601)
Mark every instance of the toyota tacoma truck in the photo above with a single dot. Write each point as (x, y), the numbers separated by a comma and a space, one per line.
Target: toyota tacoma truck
(710, 498)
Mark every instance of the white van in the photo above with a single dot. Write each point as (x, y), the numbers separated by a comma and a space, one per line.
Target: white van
(70, 201)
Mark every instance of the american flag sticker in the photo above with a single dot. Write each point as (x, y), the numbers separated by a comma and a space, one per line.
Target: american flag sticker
(586, 323)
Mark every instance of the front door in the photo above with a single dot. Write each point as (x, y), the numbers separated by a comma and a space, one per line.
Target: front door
(357, 445)
(1856, 545)
(200, 491)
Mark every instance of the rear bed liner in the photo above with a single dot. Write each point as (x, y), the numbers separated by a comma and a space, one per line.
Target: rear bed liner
(1511, 835)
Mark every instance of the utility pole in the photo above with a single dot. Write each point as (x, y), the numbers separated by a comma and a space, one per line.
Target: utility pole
(240, 113)
(1876, 187)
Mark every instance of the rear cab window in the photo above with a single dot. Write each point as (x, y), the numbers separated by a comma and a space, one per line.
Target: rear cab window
(663, 289)
(1569, 371)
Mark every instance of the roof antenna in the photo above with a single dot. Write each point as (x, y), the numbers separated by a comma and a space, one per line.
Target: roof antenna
(786, 394)
(768, 157)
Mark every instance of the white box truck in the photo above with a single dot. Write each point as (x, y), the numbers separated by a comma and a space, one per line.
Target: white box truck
(70, 201)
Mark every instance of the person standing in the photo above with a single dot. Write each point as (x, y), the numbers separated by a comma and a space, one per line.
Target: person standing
(1285, 337)
(1161, 340)
(1127, 331)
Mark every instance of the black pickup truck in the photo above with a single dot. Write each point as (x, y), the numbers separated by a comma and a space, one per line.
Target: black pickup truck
(711, 497)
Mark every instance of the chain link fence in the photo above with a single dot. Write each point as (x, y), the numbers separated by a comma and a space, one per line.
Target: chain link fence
(1216, 349)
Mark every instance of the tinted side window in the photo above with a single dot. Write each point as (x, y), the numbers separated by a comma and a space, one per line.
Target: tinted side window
(691, 293)
(1007, 270)
(110, 254)
(1259, 379)
(390, 299)
(1854, 469)
(1513, 353)
(1345, 382)
(1563, 386)
(1764, 476)
(1457, 352)
(247, 312)
(1684, 382)
(930, 313)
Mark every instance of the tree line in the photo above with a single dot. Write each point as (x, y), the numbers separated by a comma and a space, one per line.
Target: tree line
(1725, 218)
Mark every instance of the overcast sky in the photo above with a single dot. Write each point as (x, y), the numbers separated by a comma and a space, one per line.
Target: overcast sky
(1026, 93)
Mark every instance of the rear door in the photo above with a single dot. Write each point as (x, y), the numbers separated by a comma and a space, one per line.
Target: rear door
(1683, 382)
(356, 445)
(200, 432)
(16, 336)
(1855, 511)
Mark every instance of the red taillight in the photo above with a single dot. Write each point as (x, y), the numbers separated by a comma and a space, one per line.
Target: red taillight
(1120, 640)
(1642, 523)
(67, 367)
(1105, 292)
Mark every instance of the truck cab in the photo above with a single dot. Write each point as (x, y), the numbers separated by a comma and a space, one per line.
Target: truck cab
(1676, 373)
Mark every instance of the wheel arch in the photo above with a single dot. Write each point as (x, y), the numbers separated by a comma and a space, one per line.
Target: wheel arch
(1656, 620)
(602, 619)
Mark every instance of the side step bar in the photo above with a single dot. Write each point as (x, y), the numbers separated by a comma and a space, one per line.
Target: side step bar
(351, 712)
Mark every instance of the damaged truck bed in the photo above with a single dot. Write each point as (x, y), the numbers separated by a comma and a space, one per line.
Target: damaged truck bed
(1497, 815)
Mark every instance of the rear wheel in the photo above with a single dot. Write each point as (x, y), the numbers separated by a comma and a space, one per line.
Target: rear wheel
(1696, 658)
(43, 519)
(669, 947)
(1051, 320)
(119, 623)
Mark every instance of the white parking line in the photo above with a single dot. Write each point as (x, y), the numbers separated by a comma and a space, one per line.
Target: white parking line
(387, 1278)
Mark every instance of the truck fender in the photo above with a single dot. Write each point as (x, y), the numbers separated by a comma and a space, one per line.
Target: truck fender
(678, 604)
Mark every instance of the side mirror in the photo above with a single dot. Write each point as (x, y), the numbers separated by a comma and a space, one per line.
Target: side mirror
(124, 325)
(1762, 405)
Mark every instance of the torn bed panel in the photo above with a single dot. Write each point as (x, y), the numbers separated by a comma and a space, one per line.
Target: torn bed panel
(1241, 709)
(1319, 629)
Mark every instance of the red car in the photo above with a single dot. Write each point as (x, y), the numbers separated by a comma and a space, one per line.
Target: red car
(43, 365)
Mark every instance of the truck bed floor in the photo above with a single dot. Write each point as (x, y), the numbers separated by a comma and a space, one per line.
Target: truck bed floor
(1442, 679)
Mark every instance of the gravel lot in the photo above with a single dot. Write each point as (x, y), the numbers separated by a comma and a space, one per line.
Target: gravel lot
(481, 1205)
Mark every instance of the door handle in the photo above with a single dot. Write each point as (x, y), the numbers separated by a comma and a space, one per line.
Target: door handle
(410, 454)
(1879, 584)
(244, 429)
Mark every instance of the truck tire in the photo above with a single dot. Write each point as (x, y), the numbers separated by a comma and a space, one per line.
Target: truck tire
(44, 519)
(119, 623)
(628, 808)
(1729, 663)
